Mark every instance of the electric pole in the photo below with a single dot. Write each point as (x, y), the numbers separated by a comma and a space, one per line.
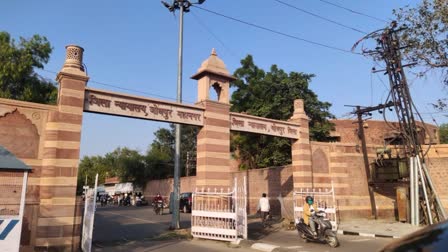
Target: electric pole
(182, 6)
(360, 112)
(389, 50)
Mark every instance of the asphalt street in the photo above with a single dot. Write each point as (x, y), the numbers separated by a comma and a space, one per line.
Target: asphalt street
(291, 241)
(117, 225)
(132, 229)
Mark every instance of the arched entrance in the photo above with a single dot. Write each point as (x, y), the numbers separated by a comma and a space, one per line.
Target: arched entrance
(54, 215)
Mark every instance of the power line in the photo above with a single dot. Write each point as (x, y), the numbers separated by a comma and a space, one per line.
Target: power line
(122, 88)
(353, 11)
(278, 32)
(319, 16)
(199, 21)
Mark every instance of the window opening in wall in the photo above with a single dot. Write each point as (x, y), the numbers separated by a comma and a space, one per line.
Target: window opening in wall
(217, 94)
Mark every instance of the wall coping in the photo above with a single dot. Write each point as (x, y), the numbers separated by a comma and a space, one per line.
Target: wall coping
(25, 104)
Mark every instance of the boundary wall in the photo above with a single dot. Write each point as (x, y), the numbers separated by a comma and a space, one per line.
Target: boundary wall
(340, 163)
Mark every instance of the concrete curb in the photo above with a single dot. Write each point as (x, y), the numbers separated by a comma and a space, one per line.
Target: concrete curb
(345, 232)
(264, 247)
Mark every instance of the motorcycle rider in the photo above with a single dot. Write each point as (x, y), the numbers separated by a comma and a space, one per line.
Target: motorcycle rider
(309, 209)
(158, 198)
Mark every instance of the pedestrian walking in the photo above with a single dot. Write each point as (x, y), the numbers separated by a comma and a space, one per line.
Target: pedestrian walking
(263, 208)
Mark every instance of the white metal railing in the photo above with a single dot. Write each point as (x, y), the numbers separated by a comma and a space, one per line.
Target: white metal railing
(324, 199)
(220, 215)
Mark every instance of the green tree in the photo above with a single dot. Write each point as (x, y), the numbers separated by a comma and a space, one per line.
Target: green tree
(160, 155)
(162, 150)
(443, 133)
(426, 37)
(17, 62)
(271, 94)
(129, 165)
(89, 167)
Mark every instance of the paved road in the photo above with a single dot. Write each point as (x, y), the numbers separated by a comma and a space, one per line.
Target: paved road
(169, 246)
(128, 229)
(117, 225)
(289, 239)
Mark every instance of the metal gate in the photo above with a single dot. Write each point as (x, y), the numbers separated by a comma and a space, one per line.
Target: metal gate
(89, 217)
(220, 215)
(323, 198)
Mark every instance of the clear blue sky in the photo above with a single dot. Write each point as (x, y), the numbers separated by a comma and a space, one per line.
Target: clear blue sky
(133, 44)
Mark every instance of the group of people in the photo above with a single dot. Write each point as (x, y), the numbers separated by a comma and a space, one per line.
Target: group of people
(309, 208)
(121, 199)
(125, 199)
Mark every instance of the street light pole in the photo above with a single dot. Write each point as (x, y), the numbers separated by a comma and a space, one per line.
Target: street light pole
(175, 218)
(183, 6)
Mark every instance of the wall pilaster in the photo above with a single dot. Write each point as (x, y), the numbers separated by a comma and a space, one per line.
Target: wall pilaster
(59, 220)
(301, 149)
(213, 147)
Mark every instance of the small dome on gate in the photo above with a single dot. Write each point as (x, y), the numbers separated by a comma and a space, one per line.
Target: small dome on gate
(213, 64)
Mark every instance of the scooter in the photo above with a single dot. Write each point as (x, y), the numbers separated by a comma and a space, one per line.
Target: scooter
(325, 234)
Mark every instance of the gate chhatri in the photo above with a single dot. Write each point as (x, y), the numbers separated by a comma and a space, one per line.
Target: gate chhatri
(220, 215)
(323, 198)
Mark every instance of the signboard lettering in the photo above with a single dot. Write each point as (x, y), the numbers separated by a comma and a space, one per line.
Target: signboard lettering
(138, 107)
(243, 122)
(100, 102)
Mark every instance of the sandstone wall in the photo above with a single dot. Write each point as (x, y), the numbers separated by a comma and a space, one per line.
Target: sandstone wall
(339, 163)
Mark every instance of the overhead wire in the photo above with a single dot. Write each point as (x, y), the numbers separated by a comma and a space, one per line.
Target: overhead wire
(276, 32)
(319, 16)
(353, 11)
(122, 88)
(200, 22)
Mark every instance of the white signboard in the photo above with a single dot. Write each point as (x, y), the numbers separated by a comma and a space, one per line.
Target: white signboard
(10, 229)
(106, 102)
(11, 225)
(248, 123)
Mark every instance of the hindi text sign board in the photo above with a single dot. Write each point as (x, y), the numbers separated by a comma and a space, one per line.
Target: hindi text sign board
(106, 102)
(248, 123)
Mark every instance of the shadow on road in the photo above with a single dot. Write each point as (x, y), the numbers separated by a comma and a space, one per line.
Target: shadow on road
(121, 225)
(256, 231)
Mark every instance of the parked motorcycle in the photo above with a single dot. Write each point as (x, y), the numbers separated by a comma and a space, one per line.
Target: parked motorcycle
(325, 234)
(158, 207)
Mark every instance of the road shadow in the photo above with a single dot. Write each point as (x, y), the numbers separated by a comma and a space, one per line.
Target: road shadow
(256, 230)
(115, 226)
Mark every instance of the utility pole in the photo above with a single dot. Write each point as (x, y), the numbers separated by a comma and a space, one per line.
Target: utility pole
(389, 49)
(359, 112)
(182, 6)
(187, 165)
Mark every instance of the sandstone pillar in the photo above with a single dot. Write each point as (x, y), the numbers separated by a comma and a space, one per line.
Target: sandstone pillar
(213, 143)
(301, 148)
(59, 220)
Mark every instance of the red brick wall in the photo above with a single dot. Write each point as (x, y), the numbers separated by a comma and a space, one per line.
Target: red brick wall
(375, 132)
(346, 171)
(165, 187)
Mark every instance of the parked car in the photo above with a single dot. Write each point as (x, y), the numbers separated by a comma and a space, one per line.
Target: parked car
(431, 238)
(185, 201)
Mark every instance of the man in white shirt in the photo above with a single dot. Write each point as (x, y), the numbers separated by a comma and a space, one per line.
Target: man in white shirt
(263, 207)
